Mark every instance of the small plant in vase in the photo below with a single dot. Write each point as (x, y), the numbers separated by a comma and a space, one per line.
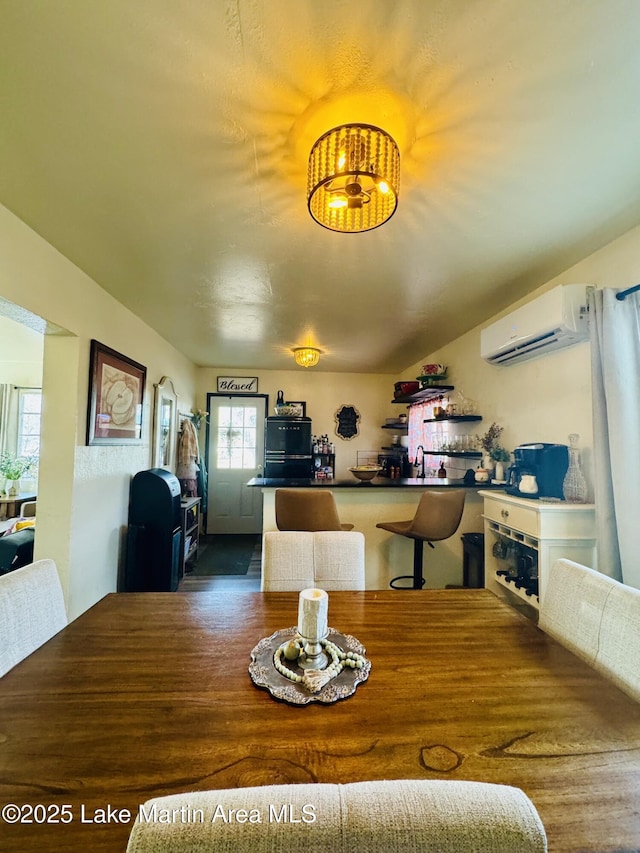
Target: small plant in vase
(487, 442)
(12, 468)
(500, 455)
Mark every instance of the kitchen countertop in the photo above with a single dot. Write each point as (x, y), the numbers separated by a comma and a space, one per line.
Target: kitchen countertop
(376, 483)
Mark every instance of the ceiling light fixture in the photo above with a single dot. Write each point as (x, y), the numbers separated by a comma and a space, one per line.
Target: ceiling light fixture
(354, 178)
(306, 356)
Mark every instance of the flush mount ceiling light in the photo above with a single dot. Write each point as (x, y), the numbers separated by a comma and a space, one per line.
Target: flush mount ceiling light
(354, 178)
(306, 356)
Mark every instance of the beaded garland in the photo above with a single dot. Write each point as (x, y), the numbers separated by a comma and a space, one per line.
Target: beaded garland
(339, 660)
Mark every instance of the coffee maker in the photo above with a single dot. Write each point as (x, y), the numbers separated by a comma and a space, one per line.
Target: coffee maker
(538, 470)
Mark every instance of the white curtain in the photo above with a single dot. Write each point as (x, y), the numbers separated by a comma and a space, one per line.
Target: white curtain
(615, 368)
(6, 393)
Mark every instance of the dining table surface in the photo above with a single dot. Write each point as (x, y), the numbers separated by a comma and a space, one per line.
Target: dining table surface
(148, 694)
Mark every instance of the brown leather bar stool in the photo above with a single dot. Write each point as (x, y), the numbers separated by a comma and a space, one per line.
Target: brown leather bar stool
(307, 509)
(437, 517)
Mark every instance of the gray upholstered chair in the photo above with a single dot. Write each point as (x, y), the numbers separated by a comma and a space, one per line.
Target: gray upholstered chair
(31, 611)
(28, 509)
(296, 560)
(618, 654)
(420, 816)
(437, 517)
(307, 509)
(572, 605)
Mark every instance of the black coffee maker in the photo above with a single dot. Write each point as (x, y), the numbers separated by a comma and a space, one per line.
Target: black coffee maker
(547, 463)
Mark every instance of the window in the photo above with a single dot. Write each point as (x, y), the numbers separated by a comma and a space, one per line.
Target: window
(236, 435)
(29, 410)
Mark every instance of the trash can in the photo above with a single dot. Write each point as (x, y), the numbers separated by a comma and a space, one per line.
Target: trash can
(473, 560)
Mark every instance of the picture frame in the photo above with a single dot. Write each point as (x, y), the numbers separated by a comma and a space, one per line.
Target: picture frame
(165, 425)
(116, 397)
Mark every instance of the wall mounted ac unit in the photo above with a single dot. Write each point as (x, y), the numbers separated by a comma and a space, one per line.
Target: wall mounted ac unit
(556, 319)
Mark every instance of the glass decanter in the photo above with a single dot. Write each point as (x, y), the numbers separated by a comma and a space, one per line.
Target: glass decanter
(574, 486)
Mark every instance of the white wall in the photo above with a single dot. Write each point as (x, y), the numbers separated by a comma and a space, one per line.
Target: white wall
(83, 491)
(324, 394)
(21, 354)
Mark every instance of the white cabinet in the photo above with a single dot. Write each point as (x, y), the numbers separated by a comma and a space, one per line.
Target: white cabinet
(522, 538)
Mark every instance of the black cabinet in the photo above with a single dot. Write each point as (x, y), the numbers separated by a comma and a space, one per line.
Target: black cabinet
(154, 534)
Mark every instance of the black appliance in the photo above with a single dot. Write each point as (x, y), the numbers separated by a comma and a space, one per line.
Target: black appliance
(547, 462)
(287, 448)
(154, 533)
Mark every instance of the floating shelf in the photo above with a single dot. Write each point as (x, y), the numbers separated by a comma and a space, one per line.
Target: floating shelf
(465, 454)
(424, 394)
(395, 426)
(456, 418)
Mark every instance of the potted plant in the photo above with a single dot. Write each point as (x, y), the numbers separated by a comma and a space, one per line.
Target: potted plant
(487, 442)
(499, 455)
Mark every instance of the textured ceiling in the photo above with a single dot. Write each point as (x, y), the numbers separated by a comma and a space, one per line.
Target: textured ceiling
(162, 147)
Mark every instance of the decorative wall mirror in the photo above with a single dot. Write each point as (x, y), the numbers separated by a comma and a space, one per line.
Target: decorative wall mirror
(165, 425)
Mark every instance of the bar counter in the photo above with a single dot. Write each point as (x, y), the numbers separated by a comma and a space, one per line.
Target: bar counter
(376, 483)
(365, 504)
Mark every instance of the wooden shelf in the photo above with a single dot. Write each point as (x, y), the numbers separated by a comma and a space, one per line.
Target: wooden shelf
(424, 394)
(190, 509)
(395, 426)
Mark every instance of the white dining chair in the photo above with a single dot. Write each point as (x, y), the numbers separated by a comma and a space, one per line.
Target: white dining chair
(296, 560)
(618, 655)
(572, 606)
(31, 611)
(421, 816)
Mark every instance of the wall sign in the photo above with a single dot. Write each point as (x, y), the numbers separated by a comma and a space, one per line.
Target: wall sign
(347, 418)
(238, 384)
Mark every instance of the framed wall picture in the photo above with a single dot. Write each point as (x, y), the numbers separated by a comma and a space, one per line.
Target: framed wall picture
(116, 395)
(165, 425)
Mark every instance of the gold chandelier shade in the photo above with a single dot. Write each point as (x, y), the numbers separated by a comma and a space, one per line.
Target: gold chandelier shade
(354, 178)
(306, 356)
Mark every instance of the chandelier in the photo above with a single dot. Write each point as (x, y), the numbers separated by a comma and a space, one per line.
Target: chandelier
(306, 356)
(354, 178)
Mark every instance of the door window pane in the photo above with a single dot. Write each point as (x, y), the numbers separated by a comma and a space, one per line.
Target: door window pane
(236, 436)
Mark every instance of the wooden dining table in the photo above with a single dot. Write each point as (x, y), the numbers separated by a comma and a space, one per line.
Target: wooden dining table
(148, 694)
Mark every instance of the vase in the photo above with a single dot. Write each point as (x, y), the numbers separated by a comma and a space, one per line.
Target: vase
(499, 473)
(11, 487)
(488, 463)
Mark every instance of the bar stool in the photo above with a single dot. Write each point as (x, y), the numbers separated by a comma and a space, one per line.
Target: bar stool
(307, 509)
(437, 517)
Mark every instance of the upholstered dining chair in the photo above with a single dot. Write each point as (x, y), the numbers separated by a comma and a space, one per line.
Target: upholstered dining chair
(307, 509)
(426, 815)
(296, 560)
(618, 655)
(572, 605)
(31, 611)
(437, 517)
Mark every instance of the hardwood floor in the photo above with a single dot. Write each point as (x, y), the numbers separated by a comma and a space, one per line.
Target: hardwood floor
(215, 583)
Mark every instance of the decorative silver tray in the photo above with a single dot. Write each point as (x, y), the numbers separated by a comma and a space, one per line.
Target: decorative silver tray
(264, 674)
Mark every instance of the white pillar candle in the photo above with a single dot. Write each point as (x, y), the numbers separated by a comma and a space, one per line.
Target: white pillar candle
(313, 607)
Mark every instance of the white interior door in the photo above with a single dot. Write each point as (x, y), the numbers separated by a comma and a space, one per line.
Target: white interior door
(236, 453)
